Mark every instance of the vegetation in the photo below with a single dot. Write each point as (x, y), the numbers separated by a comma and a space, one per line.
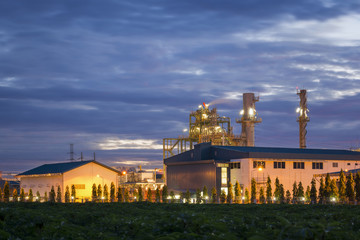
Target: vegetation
(205, 193)
(58, 195)
(164, 194)
(6, 192)
(73, 193)
(237, 192)
(106, 193)
(213, 195)
(67, 194)
(177, 221)
(253, 190)
(112, 192)
(230, 196)
(268, 190)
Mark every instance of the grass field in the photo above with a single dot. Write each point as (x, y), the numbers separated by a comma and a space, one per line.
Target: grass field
(177, 221)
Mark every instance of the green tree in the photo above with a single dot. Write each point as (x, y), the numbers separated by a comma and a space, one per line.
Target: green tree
(67, 194)
(213, 195)
(52, 195)
(288, 197)
(38, 197)
(149, 195)
(313, 191)
(140, 192)
(268, 190)
(45, 197)
(307, 194)
(205, 194)
(31, 196)
(157, 195)
(334, 192)
(282, 194)
(73, 193)
(230, 195)
(6, 192)
(300, 193)
(106, 193)
(94, 193)
(357, 186)
(223, 196)
(22, 195)
(99, 192)
(246, 200)
(253, 190)
(237, 192)
(277, 190)
(126, 195)
(120, 196)
(112, 192)
(342, 187)
(262, 195)
(172, 196)
(15, 195)
(187, 196)
(198, 196)
(327, 188)
(164, 194)
(1, 195)
(58, 195)
(350, 194)
(321, 191)
(295, 193)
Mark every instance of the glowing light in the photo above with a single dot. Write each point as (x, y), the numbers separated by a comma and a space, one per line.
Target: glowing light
(333, 199)
(123, 172)
(185, 130)
(298, 110)
(302, 199)
(346, 170)
(243, 198)
(200, 106)
(205, 116)
(251, 111)
(260, 169)
(242, 112)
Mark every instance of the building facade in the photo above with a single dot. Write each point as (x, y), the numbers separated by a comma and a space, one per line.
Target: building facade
(81, 174)
(216, 166)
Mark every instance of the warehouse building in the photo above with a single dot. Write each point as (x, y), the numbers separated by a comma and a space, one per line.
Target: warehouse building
(81, 174)
(214, 166)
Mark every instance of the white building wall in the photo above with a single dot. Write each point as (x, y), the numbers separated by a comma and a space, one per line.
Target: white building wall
(85, 176)
(41, 183)
(288, 175)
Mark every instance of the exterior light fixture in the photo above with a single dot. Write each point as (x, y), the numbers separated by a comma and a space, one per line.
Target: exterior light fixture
(185, 130)
(251, 112)
(298, 110)
(260, 169)
(242, 112)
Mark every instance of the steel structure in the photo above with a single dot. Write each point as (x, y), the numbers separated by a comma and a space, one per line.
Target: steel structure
(303, 118)
(248, 120)
(205, 125)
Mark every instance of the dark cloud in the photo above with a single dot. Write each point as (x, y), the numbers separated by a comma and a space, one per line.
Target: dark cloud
(85, 72)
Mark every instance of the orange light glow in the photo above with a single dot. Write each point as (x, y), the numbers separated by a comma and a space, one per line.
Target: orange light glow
(123, 172)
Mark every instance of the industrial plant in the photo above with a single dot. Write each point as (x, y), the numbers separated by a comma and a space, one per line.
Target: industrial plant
(213, 156)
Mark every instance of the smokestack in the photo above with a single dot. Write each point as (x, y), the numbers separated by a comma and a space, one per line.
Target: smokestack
(303, 118)
(248, 120)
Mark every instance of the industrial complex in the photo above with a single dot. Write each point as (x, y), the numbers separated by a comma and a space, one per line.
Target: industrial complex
(213, 156)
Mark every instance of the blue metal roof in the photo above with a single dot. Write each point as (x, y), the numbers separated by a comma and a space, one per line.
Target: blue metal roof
(290, 150)
(55, 168)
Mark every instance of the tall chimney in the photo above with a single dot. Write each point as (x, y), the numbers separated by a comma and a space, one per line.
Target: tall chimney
(303, 118)
(248, 119)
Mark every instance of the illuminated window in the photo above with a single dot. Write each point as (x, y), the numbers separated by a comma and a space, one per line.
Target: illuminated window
(335, 164)
(258, 164)
(223, 175)
(299, 165)
(317, 165)
(279, 164)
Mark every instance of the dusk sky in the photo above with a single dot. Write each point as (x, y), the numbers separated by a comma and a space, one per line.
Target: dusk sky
(116, 77)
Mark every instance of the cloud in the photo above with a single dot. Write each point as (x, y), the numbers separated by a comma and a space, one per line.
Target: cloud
(113, 144)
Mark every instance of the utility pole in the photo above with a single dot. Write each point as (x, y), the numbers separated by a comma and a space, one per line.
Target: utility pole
(71, 152)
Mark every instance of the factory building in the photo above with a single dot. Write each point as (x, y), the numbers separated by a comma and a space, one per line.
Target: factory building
(215, 166)
(81, 174)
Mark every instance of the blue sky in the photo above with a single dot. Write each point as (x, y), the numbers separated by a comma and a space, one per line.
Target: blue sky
(115, 77)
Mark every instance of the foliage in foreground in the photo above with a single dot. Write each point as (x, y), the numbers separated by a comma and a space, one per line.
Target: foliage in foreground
(177, 221)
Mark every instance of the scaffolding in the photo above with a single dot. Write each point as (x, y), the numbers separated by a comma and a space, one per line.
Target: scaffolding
(205, 125)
